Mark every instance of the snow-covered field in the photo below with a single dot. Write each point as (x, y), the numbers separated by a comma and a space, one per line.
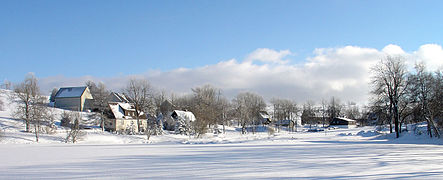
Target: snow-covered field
(360, 153)
(298, 155)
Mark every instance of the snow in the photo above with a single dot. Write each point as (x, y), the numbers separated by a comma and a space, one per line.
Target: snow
(116, 110)
(286, 156)
(346, 119)
(185, 115)
(358, 153)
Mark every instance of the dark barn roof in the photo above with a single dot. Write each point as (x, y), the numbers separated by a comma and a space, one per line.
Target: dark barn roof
(67, 92)
(342, 121)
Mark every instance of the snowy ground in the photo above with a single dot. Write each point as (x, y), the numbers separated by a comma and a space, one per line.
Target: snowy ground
(360, 153)
(298, 155)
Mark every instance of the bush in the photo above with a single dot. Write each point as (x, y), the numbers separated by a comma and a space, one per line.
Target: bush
(271, 131)
(130, 129)
(1, 134)
(66, 119)
(182, 127)
(1, 105)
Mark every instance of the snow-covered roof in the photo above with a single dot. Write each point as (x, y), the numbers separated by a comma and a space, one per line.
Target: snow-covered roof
(119, 97)
(264, 114)
(186, 115)
(345, 119)
(70, 92)
(126, 106)
(117, 110)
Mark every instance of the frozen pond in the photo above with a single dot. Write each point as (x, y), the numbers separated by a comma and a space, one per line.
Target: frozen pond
(322, 157)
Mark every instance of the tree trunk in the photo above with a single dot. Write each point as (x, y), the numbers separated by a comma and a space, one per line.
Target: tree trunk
(102, 124)
(27, 117)
(36, 127)
(396, 117)
(390, 117)
(138, 118)
(429, 128)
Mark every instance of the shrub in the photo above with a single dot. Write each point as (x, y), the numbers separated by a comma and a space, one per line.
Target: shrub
(66, 119)
(1, 105)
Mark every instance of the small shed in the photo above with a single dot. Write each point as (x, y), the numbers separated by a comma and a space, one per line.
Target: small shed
(73, 98)
(343, 122)
(264, 117)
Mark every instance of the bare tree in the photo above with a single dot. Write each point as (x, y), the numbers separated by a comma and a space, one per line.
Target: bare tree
(53, 94)
(100, 102)
(140, 92)
(184, 102)
(27, 94)
(248, 106)
(74, 133)
(7, 84)
(153, 127)
(284, 109)
(308, 113)
(204, 108)
(32, 105)
(324, 110)
(334, 108)
(421, 89)
(161, 103)
(223, 109)
(389, 80)
(436, 100)
(352, 111)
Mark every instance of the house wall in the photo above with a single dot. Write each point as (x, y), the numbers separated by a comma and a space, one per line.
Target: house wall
(69, 103)
(85, 96)
(344, 126)
(120, 124)
(110, 124)
(341, 122)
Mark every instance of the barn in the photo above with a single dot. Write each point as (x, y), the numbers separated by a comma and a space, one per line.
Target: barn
(73, 98)
(343, 122)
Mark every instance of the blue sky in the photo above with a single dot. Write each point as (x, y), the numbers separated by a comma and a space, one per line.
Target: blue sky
(112, 39)
(109, 38)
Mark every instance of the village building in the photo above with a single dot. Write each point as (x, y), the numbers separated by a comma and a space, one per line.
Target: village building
(342, 122)
(123, 118)
(264, 118)
(118, 98)
(187, 116)
(171, 119)
(73, 98)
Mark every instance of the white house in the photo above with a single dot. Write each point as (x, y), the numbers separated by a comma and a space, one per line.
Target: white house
(123, 118)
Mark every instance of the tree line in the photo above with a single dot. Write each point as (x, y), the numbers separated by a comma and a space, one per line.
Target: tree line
(399, 96)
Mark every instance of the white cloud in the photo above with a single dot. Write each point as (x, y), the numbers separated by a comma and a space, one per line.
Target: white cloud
(393, 49)
(342, 72)
(431, 54)
(268, 56)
